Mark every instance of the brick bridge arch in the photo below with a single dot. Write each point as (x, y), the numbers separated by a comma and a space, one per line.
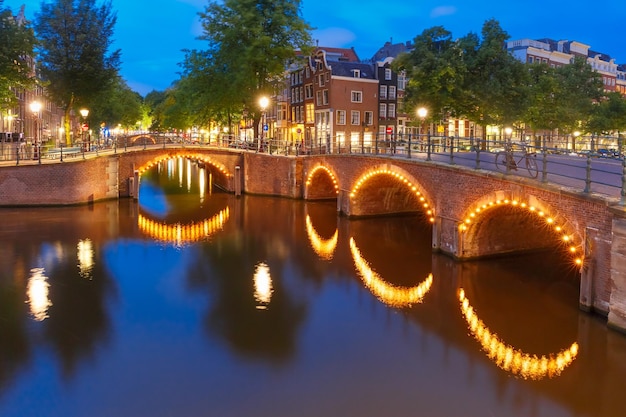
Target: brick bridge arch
(504, 222)
(225, 166)
(530, 213)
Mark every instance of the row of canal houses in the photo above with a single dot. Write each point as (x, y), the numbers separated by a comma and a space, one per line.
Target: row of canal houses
(335, 101)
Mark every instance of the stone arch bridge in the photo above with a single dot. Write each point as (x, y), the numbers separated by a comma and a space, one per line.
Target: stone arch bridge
(474, 213)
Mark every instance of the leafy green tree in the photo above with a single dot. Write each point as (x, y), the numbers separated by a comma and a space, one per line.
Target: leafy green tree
(119, 105)
(494, 86)
(435, 71)
(75, 37)
(608, 116)
(545, 109)
(581, 88)
(155, 104)
(17, 41)
(250, 42)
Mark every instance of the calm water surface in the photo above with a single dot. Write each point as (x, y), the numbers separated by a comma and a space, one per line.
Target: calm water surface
(194, 303)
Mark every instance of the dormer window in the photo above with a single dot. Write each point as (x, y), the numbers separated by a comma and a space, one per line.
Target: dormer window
(356, 73)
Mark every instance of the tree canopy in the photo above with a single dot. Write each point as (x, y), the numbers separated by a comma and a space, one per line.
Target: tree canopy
(17, 42)
(74, 41)
(249, 44)
(475, 77)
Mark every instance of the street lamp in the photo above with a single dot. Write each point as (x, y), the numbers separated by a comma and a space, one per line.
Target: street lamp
(35, 107)
(422, 112)
(84, 113)
(507, 132)
(263, 102)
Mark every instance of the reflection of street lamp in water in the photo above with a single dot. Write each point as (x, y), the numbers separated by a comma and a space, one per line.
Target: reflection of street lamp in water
(35, 107)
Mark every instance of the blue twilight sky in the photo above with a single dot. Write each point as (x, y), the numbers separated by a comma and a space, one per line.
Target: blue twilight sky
(152, 33)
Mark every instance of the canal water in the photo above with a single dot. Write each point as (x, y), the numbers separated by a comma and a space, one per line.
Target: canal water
(193, 302)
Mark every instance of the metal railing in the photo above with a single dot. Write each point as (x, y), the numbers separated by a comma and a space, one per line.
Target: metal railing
(588, 172)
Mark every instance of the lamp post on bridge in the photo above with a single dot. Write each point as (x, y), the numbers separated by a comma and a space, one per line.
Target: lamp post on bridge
(83, 128)
(263, 102)
(35, 107)
(422, 112)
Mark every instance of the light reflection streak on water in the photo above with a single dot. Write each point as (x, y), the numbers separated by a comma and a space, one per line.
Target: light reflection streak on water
(385, 292)
(513, 360)
(180, 172)
(188, 175)
(262, 285)
(170, 168)
(202, 184)
(180, 234)
(37, 292)
(325, 249)
(85, 257)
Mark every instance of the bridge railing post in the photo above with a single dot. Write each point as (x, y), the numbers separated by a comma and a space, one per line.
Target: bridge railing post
(428, 146)
(476, 146)
(544, 165)
(408, 147)
(452, 150)
(622, 201)
(588, 174)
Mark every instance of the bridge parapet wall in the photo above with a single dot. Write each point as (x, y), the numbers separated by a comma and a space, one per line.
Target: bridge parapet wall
(78, 182)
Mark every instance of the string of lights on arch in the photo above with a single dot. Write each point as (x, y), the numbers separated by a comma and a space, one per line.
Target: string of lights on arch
(309, 178)
(402, 179)
(193, 156)
(565, 237)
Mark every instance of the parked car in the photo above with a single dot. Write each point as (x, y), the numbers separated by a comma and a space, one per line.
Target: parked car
(607, 153)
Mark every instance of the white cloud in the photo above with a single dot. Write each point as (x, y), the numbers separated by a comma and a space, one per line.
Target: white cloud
(443, 11)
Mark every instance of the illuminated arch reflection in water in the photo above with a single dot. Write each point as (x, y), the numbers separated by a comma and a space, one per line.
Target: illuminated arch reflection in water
(385, 292)
(324, 248)
(512, 360)
(180, 234)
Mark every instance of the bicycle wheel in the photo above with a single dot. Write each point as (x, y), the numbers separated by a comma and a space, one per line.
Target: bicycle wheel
(531, 165)
(501, 161)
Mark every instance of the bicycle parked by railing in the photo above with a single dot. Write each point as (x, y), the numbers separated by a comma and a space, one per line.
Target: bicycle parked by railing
(507, 160)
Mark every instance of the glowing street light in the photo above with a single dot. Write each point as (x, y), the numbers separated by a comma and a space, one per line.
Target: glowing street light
(35, 107)
(422, 112)
(263, 102)
(84, 113)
